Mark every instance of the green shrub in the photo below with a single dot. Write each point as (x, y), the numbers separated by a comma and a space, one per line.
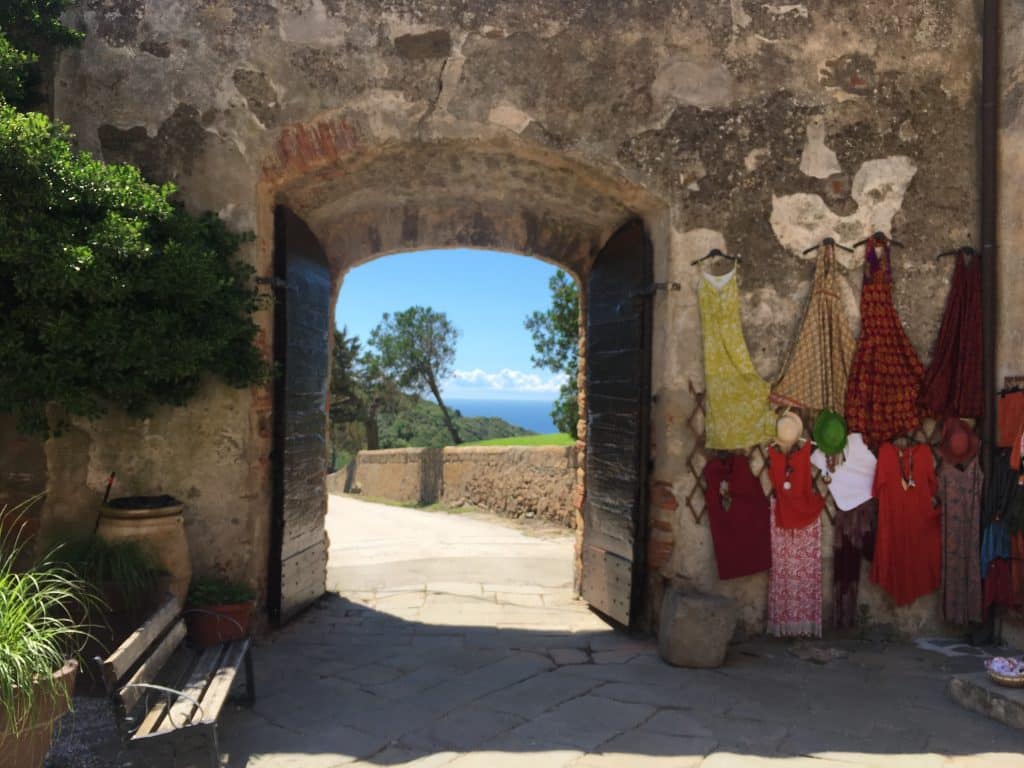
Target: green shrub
(108, 292)
(40, 625)
(207, 591)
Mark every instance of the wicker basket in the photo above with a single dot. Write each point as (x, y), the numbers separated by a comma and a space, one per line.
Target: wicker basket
(1006, 680)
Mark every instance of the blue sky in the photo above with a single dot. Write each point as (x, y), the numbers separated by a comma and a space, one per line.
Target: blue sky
(487, 295)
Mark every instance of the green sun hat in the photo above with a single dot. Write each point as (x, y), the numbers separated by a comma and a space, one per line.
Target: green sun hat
(830, 432)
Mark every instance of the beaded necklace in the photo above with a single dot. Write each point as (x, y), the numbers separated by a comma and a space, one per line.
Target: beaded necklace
(906, 478)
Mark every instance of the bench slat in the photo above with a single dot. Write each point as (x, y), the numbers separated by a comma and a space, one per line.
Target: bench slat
(181, 712)
(179, 674)
(220, 685)
(120, 661)
(151, 666)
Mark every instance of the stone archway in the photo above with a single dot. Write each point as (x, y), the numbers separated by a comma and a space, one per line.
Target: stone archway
(414, 197)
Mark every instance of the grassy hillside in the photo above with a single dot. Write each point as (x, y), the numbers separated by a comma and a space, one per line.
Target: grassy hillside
(557, 438)
(420, 425)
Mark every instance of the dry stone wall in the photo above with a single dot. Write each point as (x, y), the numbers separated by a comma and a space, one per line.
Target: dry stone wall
(512, 481)
(405, 475)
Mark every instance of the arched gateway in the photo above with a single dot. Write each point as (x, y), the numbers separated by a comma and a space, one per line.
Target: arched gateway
(411, 197)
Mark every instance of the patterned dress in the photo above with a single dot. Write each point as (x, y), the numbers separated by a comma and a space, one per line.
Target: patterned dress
(738, 414)
(960, 496)
(885, 380)
(814, 376)
(952, 383)
(794, 582)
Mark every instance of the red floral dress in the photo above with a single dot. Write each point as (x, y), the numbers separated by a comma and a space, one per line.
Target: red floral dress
(794, 582)
(885, 379)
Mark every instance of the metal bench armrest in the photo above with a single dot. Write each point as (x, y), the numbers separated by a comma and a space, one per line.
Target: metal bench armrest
(177, 695)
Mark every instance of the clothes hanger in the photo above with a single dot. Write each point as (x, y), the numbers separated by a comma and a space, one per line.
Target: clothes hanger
(713, 253)
(964, 249)
(880, 236)
(827, 241)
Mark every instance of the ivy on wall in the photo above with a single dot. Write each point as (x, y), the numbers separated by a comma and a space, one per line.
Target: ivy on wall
(109, 293)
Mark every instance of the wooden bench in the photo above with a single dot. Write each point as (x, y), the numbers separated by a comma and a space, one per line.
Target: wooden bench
(162, 689)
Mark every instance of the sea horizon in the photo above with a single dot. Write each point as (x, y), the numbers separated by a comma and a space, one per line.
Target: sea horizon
(534, 415)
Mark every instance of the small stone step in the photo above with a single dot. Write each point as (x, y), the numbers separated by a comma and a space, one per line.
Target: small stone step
(977, 692)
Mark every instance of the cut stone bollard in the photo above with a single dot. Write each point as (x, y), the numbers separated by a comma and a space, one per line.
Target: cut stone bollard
(695, 628)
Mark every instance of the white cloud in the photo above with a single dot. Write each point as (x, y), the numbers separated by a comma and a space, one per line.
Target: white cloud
(507, 380)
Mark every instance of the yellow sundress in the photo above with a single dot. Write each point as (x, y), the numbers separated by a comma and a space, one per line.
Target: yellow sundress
(737, 413)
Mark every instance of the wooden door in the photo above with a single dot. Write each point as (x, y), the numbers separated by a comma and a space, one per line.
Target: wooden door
(618, 365)
(302, 323)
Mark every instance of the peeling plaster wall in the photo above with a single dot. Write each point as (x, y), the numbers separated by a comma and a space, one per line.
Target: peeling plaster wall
(538, 127)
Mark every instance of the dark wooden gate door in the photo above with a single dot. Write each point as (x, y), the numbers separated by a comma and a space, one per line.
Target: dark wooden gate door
(302, 323)
(618, 366)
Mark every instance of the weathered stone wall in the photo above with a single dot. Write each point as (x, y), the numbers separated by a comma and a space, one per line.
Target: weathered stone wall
(514, 481)
(405, 475)
(22, 473)
(537, 127)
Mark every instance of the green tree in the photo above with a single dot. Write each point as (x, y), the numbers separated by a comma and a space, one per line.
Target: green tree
(29, 29)
(108, 292)
(555, 333)
(346, 402)
(417, 348)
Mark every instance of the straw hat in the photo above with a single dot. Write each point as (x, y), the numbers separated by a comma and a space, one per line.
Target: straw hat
(830, 432)
(788, 429)
(959, 442)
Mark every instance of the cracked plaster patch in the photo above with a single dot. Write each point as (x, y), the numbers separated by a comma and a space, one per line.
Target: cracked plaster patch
(802, 219)
(700, 84)
(512, 118)
(740, 17)
(817, 159)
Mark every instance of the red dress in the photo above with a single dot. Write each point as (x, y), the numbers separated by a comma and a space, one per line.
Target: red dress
(885, 379)
(908, 543)
(798, 505)
(739, 518)
(952, 383)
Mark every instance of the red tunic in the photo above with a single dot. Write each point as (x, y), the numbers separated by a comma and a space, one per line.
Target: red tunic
(798, 505)
(885, 379)
(908, 544)
(742, 533)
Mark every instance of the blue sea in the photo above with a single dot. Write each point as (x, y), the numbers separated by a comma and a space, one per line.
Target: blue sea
(534, 415)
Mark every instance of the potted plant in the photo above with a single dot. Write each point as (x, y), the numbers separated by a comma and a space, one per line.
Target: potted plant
(130, 584)
(41, 630)
(129, 580)
(218, 610)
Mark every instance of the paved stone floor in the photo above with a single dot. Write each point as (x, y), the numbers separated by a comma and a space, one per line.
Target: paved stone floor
(454, 640)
